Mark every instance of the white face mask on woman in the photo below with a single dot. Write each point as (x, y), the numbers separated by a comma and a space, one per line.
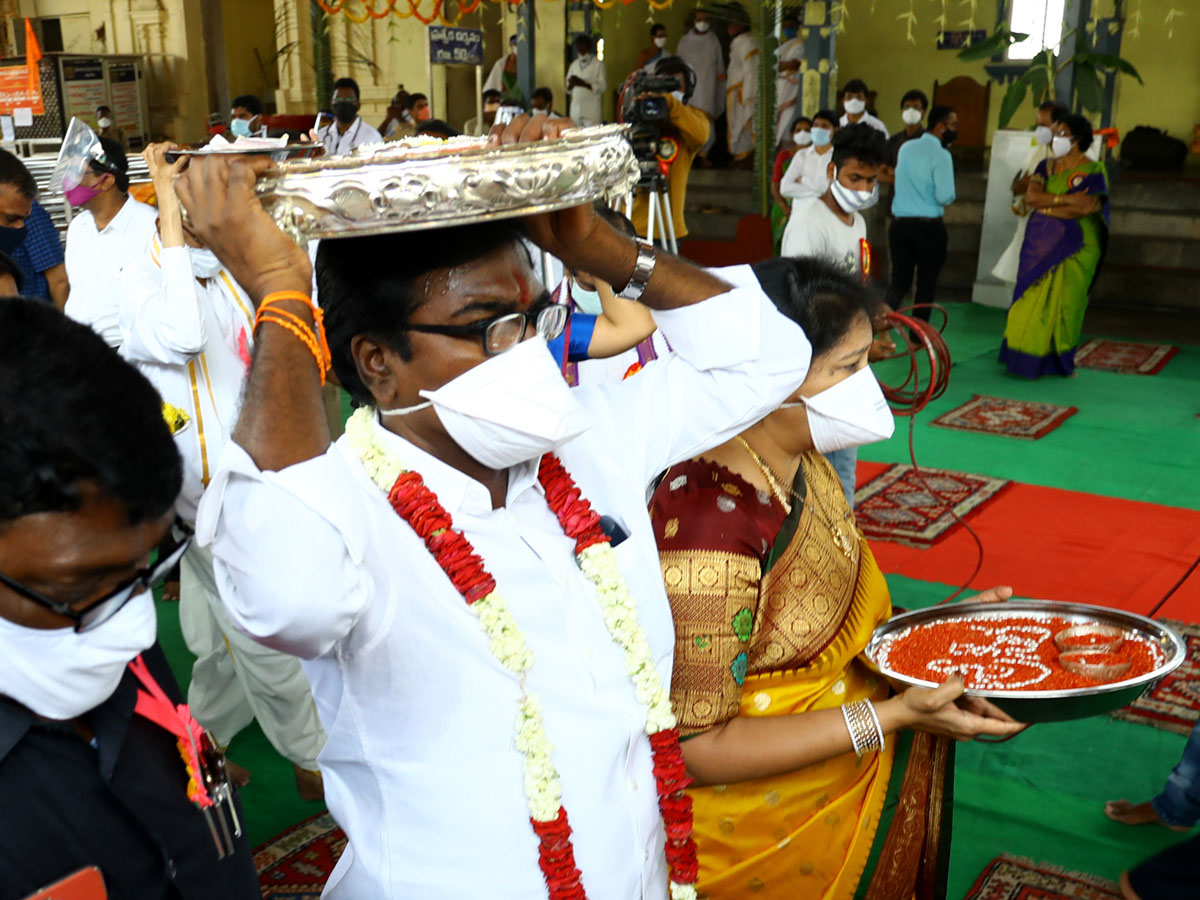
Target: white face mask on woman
(802, 138)
(1060, 146)
(512, 407)
(851, 413)
(60, 673)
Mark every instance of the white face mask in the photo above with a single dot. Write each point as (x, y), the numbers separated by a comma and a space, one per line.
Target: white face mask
(802, 138)
(910, 115)
(851, 413)
(105, 122)
(660, 42)
(587, 301)
(1043, 135)
(585, 57)
(702, 27)
(855, 106)
(1060, 146)
(204, 262)
(508, 409)
(851, 200)
(59, 673)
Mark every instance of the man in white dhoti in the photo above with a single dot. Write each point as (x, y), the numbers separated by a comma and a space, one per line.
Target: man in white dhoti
(741, 91)
(587, 80)
(787, 85)
(445, 792)
(701, 49)
(189, 327)
(503, 77)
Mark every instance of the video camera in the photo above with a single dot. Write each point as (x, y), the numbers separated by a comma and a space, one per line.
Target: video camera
(645, 109)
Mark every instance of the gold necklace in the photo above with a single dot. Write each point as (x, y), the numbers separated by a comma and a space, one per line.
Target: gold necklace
(777, 485)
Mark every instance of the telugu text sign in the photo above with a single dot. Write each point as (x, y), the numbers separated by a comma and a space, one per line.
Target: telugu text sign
(450, 46)
(15, 91)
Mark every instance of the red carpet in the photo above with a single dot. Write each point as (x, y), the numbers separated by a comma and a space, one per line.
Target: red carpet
(1010, 418)
(1174, 703)
(1124, 356)
(296, 864)
(1010, 878)
(1064, 545)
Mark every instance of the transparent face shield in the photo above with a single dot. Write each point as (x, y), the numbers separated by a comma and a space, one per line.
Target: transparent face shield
(80, 147)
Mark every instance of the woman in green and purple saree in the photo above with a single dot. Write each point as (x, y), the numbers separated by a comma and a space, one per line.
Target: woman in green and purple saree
(1064, 244)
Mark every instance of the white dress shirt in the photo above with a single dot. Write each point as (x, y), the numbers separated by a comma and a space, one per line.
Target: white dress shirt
(339, 144)
(194, 342)
(587, 102)
(420, 768)
(807, 174)
(867, 119)
(95, 260)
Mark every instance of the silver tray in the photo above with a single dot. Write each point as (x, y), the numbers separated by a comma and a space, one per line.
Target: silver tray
(1043, 706)
(409, 185)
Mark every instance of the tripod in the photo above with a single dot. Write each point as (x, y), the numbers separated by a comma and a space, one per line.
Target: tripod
(658, 211)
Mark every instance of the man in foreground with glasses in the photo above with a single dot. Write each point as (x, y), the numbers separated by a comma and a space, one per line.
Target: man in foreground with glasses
(421, 664)
(88, 480)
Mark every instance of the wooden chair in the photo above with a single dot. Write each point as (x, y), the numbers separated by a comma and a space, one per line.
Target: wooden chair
(970, 100)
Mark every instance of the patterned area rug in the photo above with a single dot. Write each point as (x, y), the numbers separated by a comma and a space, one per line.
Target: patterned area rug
(296, 864)
(1011, 878)
(1174, 705)
(1012, 418)
(1124, 356)
(896, 506)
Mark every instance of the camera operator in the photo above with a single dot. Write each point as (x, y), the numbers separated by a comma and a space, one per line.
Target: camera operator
(687, 128)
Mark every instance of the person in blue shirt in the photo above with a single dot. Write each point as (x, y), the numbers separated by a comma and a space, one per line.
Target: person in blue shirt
(28, 235)
(924, 187)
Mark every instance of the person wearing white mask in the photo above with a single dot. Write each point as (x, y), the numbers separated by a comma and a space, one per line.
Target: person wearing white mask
(781, 209)
(587, 80)
(1048, 114)
(440, 333)
(188, 326)
(107, 127)
(913, 106)
(787, 83)
(854, 101)
(657, 49)
(807, 174)
(90, 766)
(701, 50)
(774, 594)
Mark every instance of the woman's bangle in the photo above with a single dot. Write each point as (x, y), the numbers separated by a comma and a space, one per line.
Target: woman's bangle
(866, 735)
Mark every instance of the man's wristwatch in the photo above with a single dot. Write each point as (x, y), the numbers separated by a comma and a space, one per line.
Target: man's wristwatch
(642, 270)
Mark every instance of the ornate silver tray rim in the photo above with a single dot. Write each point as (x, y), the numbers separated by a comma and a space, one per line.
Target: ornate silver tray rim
(409, 185)
(1172, 645)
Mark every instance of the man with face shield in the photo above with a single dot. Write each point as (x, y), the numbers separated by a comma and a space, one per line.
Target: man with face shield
(90, 766)
(189, 327)
(774, 593)
(440, 334)
(347, 130)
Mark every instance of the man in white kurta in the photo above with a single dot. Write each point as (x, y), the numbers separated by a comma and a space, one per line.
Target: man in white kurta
(701, 49)
(420, 767)
(787, 84)
(587, 80)
(742, 91)
(189, 328)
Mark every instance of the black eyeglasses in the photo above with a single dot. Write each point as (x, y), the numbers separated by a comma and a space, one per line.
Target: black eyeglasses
(100, 611)
(501, 333)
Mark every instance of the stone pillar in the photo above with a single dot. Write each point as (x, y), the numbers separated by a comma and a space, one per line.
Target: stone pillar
(297, 76)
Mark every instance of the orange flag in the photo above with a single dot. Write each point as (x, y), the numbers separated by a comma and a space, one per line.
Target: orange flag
(33, 55)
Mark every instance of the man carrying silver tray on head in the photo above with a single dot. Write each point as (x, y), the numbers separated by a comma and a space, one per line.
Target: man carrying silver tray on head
(470, 573)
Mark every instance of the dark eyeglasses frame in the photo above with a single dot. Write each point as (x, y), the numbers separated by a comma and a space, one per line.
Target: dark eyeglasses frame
(549, 321)
(101, 610)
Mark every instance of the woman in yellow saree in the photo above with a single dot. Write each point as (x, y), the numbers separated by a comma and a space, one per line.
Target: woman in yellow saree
(774, 594)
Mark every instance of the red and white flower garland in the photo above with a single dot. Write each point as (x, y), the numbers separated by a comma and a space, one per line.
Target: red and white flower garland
(419, 507)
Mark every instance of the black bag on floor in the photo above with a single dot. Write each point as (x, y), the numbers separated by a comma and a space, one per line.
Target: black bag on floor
(1153, 149)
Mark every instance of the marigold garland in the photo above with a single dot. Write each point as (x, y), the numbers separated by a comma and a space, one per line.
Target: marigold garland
(419, 507)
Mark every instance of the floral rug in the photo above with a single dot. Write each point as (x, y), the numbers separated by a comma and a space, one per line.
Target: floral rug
(296, 864)
(1011, 878)
(1124, 356)
(900, 505)
(1012, 418)
(1174, 703)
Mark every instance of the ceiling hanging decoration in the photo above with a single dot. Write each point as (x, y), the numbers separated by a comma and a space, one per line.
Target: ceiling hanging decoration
(359, 11)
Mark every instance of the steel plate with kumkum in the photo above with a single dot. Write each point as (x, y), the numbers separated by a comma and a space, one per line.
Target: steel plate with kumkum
(1037, 660)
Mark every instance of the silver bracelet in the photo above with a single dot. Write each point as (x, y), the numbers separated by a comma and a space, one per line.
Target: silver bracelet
(642, 270)
(878, 725)
(861, 722)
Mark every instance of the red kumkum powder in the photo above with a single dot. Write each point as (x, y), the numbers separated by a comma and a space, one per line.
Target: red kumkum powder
(996, 652)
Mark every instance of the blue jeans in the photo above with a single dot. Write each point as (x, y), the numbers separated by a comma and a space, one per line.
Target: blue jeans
(845, 463)
(1179, 802)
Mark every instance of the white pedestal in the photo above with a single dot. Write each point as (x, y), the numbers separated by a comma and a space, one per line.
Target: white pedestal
(1010, 149)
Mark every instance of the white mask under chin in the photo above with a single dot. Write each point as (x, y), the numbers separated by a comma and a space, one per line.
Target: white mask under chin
(60, 673)
(511, 408)
(851, 413)
(204, 262)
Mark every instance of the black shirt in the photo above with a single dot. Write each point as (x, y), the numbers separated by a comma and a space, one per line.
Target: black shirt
(898, 140)
(120, 805)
